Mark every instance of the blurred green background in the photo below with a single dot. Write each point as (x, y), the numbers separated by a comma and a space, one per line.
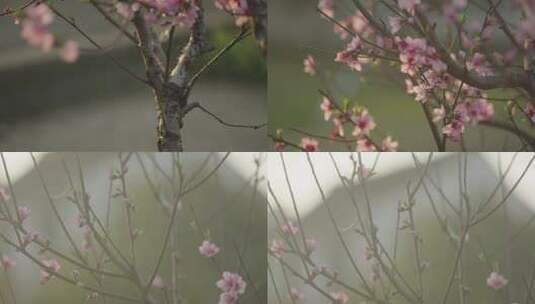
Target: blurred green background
(297, 30)
(228, 208)
(93, 105)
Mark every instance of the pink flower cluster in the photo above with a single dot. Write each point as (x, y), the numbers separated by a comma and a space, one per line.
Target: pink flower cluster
(351, 55)
(310, 65)
(127, 10)
(469, 106)
(415, 55)
(356, 23)
(327, 7)
(278, 247)
(232, 286)
(4, 194)
(309, 144)
(464, 104)
(208, 249)
(166, 13)
(496, 281)
(23, 213)
(158, 282)
(529, 110)
(429, 78)
(35, 27)
(7, 263)
(52, 266)
(237, 8)
(296, 295)
(362, 123)
(453, 9)
(290, 228)
(340, 297)
(35, 30)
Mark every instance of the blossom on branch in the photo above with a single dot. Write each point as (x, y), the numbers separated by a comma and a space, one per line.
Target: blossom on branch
(232, 286)
(208, 249)
(52, 266)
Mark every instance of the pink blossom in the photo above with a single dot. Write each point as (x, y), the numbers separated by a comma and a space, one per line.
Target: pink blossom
(414, 54)
(419, 90)
(454, 130)
(350, 55)
(479, 64)
(368, 254)
(290, 228)
(338, 130)
(309, 144)
(357, 23)
(310, 65)
(453, 9)
(126, 10)
(37, 37)
(208, 249)
(439, 114)
(158, 282)
(7, 262)
(277, 248)
(40, 14)
(279, 146)
(480, 110)
(150, 17)
(530, 112)
(365, 145)
(364, 123)
(238, 8)
(389, 145)
(340, 297)
(365, 172)
(30, 237)
(232, 285)
(316, 271)
(327, 7)
(4, 194)
(169, 12)
(527, 28)
(228, 298)
(169, 7)
(51, 266)
(327, 107)
(186, 18)
(35, 27)
(69, 52)
(496, 281)
(23, 212)
(395, 24)
(461, 112)
(296, 295)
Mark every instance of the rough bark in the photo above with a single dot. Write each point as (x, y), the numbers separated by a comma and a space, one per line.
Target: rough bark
(171, 96)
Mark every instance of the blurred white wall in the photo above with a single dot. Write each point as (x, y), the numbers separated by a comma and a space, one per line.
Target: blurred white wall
(386, 188)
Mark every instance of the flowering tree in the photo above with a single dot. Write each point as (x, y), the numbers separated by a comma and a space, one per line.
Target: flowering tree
(151, 25)
(357, 260)
(99, 257)
(464, 62)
